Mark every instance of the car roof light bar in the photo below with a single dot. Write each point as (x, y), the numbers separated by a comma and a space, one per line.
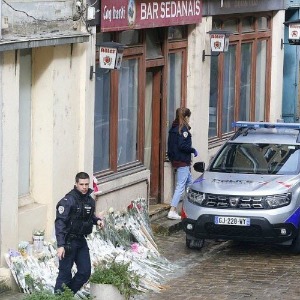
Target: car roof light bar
(244, 124)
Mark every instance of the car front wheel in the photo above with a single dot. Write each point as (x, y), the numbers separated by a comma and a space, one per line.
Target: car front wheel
(295, 247)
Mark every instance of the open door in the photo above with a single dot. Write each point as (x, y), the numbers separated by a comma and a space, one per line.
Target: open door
(152, 130)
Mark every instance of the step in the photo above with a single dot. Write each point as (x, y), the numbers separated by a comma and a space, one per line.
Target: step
(160, 224)
(165, 226)
(158, 211)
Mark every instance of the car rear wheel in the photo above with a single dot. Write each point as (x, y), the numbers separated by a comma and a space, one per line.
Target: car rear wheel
(193, 243)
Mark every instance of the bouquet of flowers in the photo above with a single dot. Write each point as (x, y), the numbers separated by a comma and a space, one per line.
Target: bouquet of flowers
(126, 236)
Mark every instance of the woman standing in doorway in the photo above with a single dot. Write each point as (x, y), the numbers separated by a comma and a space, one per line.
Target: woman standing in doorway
(179, 153)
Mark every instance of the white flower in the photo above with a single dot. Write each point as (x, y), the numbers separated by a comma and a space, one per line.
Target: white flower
(113, 241)
(23, 245)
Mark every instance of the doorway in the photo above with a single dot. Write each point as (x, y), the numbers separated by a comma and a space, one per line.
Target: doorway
(153, 96)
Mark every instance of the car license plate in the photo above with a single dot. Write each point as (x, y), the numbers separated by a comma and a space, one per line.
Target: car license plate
(236, 221)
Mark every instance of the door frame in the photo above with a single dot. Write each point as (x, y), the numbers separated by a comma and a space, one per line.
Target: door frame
(156, 166)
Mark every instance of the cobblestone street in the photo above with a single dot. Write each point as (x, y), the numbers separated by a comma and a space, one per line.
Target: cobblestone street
(227, 270)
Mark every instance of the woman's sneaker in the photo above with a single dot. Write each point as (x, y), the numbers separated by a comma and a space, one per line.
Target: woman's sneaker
(173, 215)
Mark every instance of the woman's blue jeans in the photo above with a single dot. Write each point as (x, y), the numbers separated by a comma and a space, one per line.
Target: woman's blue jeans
(184, 180)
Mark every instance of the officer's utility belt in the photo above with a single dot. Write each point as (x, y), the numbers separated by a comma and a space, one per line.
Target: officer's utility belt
(72, 236)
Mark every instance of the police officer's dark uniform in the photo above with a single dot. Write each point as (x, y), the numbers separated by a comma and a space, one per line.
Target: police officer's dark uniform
(180, 145)
(74, 220)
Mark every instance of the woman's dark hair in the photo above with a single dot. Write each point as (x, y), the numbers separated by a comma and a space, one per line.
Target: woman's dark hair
(181, 114)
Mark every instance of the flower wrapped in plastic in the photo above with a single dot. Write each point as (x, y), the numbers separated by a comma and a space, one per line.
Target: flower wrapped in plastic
(126, 235)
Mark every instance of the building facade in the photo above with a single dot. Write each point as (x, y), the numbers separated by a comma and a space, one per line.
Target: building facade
(135, 106)
(45, 107)
(290, 107)
(245, 82)
(61, 113)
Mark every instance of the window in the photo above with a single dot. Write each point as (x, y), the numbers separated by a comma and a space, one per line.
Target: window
(176, 80)
(252, 158)
(24, 123)
(245, 85)
(129, 37)
(102, 120)
(248, 24)
(239, 77)
(116, 130)
(174, 84)
(230, 25)
(260, 85)
(262, 23)
(176, 32)
(228, 89)
(128, 112)
(129, 101)
(213, 99)
(148, 120)
(153, 43)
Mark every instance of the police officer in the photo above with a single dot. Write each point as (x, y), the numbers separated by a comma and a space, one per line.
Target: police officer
(179, 152)
(75, 217)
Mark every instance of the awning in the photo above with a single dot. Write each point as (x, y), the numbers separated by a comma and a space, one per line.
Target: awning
(42, 40)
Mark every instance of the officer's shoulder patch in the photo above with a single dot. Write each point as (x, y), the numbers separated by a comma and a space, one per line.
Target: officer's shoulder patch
(61, 209)
(185, 134)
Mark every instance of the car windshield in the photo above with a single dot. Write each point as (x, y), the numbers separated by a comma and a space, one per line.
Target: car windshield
(257, 159)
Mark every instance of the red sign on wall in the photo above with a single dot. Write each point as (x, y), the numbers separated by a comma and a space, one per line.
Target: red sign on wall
(137, 14)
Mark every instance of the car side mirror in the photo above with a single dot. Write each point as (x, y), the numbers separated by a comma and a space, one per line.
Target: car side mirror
(199, 166)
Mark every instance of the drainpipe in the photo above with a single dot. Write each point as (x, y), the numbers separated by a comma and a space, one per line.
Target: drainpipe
(0, 19)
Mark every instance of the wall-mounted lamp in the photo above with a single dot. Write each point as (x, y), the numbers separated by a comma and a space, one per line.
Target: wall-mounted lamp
(110, 56)
(294, 33)
(219, 42)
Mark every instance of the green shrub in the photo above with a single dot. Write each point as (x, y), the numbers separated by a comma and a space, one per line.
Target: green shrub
(118, 274)
(67, 294)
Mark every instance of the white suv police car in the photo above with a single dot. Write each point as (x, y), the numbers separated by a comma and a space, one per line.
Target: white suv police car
(250, 190)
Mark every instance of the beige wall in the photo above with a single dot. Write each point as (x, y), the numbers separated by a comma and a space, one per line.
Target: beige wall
(119, 192)
(55, 125)
(62, 123)
(62, 141)
(169, 181)
(9, 152)
(277, 66)
(198, 82)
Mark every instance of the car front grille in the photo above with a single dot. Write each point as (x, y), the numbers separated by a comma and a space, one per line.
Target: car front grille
(227, 201)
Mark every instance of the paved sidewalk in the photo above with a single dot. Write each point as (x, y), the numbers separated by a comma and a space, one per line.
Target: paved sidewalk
(11, 296)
